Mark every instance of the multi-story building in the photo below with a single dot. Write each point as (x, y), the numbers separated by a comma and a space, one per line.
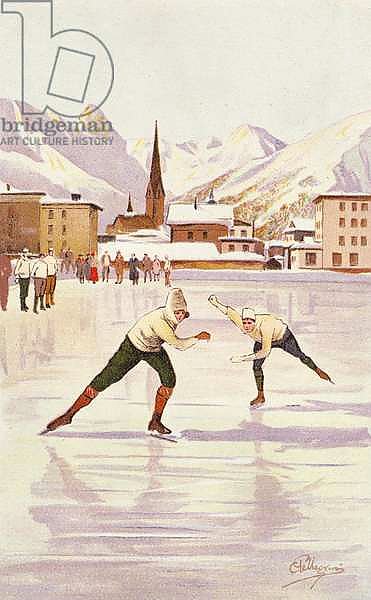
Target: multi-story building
(343, 227)
(35, 221)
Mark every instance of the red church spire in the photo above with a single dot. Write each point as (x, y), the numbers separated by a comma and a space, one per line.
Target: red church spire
(155, 185)
(155, 194)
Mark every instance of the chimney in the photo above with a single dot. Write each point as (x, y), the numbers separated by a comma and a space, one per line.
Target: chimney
(75, 197)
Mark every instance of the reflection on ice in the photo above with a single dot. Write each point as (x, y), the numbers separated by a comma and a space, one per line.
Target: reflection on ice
(101, 510)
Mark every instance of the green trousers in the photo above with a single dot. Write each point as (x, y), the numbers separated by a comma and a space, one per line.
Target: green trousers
(126, 358)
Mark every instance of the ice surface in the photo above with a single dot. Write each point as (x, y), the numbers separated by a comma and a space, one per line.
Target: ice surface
(100, 510)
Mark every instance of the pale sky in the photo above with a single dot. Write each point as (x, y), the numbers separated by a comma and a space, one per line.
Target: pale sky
(203, 67)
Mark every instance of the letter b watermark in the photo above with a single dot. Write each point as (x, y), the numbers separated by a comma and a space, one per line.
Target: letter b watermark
(70, 72)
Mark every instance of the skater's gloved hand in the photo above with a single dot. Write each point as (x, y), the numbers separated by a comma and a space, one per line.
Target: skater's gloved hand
(238, 358)
(203, 335)
(213, 300)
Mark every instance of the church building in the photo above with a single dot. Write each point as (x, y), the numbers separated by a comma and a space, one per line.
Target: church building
(155, 202)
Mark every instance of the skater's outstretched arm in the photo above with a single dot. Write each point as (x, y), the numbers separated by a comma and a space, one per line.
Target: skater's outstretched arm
(165, 332)
(228, 311)
(266, 335)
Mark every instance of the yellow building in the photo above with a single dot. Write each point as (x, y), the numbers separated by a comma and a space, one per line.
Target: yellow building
(35, 221)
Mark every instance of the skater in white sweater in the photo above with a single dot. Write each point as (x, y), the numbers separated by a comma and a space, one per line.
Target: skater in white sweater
(267, 331)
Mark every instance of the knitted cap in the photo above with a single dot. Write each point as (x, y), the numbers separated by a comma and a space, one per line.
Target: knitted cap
(248, 313)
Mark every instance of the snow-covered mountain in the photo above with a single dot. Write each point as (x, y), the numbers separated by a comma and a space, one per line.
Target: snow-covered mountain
(336, 158)
(192, 163)
(103, 174)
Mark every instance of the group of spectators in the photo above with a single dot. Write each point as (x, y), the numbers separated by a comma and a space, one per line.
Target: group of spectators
(87, 268)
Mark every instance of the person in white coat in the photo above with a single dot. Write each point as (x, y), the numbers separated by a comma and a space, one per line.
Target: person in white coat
(39, 274)
(51, 280)
(22, 274)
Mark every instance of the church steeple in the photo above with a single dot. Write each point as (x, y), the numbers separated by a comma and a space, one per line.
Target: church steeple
(155, 194)
(130, 206)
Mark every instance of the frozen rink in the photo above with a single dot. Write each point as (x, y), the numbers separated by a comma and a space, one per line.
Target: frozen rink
(101, 511)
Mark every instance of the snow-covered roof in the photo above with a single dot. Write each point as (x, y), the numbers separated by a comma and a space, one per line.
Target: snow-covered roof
(247, 256)
(242, 240)
(144, 235)
(187, 214)
(48, 200)
(300, 224)
(277, 244)
(346, 194)
(307, 246)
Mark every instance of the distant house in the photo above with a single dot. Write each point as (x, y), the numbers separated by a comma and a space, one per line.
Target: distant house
(241, 244)
(306, 255)
(298, 229)
(199, 222)
(241, 229)
(279, 250)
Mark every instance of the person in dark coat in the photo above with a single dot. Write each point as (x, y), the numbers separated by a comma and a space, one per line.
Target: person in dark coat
(80, 272)
(5, 273)
(22, 273)
(147, 267)
(134, 269)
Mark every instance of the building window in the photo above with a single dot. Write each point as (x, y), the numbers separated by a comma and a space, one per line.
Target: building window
(50, 229)
(230, 247)
(190, 235)
(354, 222)
(336, 259)
(232, 233)
(50, 244)
(354, 206)
(245, 247)
(204, 235)
(341, 205)
(51, 214)
(310, 258)
(243, 232)
(341, 240)
(354, 240)
(364, 206)
(64, 214)
(353, 260)
(363, 222)
(64, 230)
(363, 240)
(341, 222)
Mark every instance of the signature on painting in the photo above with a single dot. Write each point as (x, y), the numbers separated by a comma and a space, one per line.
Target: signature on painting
(308, 569)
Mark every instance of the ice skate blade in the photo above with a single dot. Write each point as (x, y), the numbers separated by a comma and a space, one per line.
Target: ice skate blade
(44, 432)
(169, 437)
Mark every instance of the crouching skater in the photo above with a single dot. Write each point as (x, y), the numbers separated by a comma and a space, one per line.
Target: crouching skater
(144, 341)
(267, 331)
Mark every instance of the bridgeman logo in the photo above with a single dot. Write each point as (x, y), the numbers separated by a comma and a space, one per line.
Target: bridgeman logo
(68, 72)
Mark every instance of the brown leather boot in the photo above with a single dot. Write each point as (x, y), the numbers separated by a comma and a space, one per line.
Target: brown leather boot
(83, 400)
(259, 400)
(323, 375)
(162, 396)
